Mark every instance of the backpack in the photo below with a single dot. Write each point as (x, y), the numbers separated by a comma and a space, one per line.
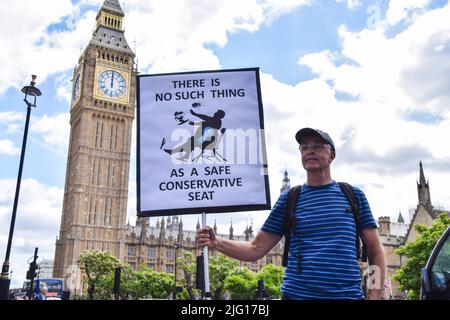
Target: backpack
(294, 194)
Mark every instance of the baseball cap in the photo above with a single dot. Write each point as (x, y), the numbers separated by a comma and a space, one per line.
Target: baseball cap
(305, 132)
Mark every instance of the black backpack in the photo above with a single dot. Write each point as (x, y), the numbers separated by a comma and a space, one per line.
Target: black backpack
(293, 196)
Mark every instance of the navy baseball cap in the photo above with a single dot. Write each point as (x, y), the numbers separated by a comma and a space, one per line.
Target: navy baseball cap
(305, 132)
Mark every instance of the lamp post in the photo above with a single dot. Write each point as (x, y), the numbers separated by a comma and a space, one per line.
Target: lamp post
(175, 245)
(5, 280)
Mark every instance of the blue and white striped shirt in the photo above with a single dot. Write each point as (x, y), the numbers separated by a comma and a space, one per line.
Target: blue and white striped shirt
(325, 239)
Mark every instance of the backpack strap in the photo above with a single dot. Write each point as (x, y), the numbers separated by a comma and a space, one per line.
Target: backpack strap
(347, 189)
(294, 194)
(292, 198)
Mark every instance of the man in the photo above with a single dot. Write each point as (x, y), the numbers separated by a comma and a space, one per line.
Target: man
(204, 135)
(323, 260)
(43, 294)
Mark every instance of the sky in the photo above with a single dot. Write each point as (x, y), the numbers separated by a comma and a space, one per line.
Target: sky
(373, 74)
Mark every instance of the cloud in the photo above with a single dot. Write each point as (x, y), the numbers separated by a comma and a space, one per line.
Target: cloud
(432, 61)
(7, 147)
(12, 120)
(401, 9)
(180, 44)
(49, 40)
(54, 130)
(379, 135)
(395, 162)
(37, 222)
(351, 4)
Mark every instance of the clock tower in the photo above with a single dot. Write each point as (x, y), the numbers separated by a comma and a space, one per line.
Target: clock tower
(101, 116)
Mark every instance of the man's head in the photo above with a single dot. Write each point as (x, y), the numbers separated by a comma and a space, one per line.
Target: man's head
(316, 147)
(219, 114)
(306, 132)
(44, 290)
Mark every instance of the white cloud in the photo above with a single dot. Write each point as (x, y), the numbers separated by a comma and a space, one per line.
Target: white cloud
(351, 4)
(164, 44)
(179, 44)
(7, 147)
(378, 146)
(12, 120)
(37, 222)
(54, 130)
(39, 45)
(400, 9)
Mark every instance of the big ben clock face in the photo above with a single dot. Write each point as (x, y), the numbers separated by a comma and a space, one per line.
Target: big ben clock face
(76, 88)
(112, 83)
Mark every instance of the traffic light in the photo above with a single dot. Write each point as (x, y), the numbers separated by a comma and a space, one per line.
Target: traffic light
(260, 290)
(116, 290)
(200, 274)
(31, 273)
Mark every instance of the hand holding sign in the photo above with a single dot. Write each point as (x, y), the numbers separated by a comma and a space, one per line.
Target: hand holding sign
(206, 237)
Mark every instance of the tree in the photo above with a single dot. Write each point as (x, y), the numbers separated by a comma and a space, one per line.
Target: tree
(241, 285)
(272, 276)
(96, 267)
(221, 267)
(145, 283)
(187, 264)
(417, 254)
(160, 284)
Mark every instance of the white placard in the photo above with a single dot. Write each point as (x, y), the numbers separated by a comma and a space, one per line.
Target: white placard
(201, 144)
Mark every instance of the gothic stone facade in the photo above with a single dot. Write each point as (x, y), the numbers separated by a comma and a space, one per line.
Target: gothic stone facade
(156, 246)
(101, 117)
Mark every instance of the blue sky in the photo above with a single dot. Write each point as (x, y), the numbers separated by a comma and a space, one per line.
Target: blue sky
(374, 74)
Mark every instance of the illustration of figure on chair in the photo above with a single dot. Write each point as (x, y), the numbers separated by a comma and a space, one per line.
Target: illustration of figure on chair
(207, 136)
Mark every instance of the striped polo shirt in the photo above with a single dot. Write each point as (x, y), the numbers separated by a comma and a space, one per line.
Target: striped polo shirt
(324, 242)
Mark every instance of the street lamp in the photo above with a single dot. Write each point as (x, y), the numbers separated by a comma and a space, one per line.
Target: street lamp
(175, 245)
(5, 281)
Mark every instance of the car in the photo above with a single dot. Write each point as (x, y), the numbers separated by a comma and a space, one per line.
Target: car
(435, 277)
(19, 295)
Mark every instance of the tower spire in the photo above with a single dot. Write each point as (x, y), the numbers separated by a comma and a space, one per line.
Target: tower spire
(400, 218)
(422, 180)
(286, 184)
(423, 188)
(113, 6)
(231, 230)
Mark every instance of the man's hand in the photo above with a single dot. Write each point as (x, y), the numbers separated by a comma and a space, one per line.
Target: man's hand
(206, 237)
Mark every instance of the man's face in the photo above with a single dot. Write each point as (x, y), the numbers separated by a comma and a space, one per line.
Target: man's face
(316, 155)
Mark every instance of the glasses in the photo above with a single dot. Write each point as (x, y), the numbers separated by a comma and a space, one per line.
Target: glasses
(316, 147)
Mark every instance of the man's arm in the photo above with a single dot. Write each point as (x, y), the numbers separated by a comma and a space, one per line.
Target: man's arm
(201, 116)
(241, 250)
(375, 253)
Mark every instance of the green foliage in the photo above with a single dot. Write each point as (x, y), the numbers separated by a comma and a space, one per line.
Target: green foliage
(160, 284)
(417, 254)
(98, 273)
(194, 294)
(220, 268)
(226, 276)
(187, 263)
(96, 267)
(272, 276)
(241, 285)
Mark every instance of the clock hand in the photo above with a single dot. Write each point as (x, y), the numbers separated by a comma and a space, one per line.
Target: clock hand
(112, 80)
